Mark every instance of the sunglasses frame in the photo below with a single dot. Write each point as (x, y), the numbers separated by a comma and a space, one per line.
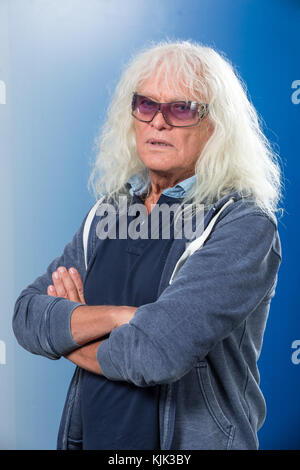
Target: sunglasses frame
(202, 111)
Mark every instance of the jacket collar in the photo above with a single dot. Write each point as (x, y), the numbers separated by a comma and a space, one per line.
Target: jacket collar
(236, 195)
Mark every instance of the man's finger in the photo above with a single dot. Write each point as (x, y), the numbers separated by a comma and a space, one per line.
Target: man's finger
(69, 284)
(78, 283)
(59, 285)
(52, 291)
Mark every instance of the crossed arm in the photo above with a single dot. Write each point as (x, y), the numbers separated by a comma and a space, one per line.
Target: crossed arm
(88, 323)
(213, 293)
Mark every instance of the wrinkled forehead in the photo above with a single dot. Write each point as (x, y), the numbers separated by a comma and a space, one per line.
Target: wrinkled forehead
(168, 84)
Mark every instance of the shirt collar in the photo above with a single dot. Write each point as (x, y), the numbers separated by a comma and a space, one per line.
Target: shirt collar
(139, 183)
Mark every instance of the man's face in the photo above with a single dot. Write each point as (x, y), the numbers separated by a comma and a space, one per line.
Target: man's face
(184, 144)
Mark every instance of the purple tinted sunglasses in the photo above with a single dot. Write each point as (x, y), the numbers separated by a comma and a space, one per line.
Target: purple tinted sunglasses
(176, 113)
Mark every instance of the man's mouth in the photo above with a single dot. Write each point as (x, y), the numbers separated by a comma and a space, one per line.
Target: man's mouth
(159, 142)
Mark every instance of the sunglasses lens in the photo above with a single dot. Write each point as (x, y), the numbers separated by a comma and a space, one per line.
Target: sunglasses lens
(181, 113)
(144, 108)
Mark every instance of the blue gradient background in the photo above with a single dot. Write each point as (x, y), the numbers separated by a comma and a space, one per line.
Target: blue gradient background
(61, 60)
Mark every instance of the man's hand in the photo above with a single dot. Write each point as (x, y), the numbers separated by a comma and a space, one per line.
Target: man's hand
(67, 283)
(88, 323)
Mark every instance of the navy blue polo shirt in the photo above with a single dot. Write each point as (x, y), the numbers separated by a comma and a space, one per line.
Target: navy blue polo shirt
(118, 414)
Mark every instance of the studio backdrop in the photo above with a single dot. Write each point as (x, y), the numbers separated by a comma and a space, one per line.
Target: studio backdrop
(59, 63)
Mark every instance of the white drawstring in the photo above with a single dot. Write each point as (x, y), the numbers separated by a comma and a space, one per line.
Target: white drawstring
(87, 227)
(196, 244)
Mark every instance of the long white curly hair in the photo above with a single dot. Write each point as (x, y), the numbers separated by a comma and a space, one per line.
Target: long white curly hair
(237, 156)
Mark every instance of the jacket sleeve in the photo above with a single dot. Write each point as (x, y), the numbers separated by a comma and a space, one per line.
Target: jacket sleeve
(41, 323)
(212, 294)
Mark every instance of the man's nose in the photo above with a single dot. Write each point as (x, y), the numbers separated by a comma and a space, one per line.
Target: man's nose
(159, 121)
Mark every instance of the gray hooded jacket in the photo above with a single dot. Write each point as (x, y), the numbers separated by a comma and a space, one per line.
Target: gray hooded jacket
(200, 339)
